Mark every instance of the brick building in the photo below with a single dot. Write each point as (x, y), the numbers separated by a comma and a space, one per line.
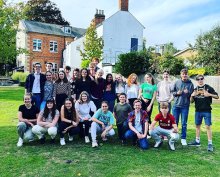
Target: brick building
(44, 43)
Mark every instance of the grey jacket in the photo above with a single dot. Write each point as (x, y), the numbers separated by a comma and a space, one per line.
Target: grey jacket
(182, 100)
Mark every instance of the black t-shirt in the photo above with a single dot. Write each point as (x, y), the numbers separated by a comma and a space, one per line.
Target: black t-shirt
(202, 103)
(29, 113)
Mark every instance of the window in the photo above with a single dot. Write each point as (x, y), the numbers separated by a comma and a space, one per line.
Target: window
(134, 44)
(53, 46)
(67, 30)
(37, 43)
(55, 67)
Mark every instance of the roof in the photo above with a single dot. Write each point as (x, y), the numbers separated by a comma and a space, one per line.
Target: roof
(182, 51)
(53, 29)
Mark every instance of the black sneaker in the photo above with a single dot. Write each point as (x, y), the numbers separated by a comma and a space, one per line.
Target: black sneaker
(194, 143)
(42, 140)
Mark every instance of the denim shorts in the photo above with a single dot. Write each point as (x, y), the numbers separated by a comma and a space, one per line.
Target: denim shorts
(207, 118)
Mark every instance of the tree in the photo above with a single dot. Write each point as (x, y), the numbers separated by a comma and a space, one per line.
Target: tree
(93, 45)
(9, 17)
(44, 11)
(173, 64)
(169, 49)
(133, 62)
(208, 47)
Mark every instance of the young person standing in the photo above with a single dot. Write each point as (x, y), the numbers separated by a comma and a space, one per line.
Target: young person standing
(182, 90)
(167, 127)
(121, 111)
(35, 85)
(164, 90)
(202, 96)
(138, 126)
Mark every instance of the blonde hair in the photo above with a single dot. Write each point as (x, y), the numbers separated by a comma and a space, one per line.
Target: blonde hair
(130, 78)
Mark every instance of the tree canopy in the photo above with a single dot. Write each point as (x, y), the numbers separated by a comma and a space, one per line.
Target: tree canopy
(93, 45)
(44, 11)
(208, 47)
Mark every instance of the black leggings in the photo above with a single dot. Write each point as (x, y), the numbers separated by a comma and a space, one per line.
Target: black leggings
(72, 131)
(84, 131)
(144, 107)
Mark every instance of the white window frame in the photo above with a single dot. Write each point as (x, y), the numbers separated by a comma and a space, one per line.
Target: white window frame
(37, 45)
(67, 30)
(55, 68)
(53, 46)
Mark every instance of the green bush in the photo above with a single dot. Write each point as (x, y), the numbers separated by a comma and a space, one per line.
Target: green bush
(85, 63)
(19, 76)
(194, 72)
(133, 62)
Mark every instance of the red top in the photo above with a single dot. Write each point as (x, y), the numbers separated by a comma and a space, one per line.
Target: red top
(167, 122)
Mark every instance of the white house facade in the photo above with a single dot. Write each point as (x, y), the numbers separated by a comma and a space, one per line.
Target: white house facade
(121, 33)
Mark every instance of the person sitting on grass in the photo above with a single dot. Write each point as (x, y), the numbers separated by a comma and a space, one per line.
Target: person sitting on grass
(202, 96)
(47, 122)
(84, 108)
(69, 121)
(138, 126)
(103, 121)
(27, 116)
(121, 111)
(167, 127)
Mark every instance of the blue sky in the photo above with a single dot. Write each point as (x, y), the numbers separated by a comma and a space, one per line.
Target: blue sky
(177, 21)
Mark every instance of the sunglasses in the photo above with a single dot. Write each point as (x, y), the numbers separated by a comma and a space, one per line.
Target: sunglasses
(200, 79)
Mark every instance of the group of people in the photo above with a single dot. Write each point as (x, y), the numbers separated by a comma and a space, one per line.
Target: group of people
(87, 103)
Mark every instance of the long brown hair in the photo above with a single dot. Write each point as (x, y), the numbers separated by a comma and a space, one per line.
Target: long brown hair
(72, 111)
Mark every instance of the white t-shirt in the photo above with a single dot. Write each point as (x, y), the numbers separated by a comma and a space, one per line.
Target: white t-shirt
(84, 109)
(132, 91)
(36, 84)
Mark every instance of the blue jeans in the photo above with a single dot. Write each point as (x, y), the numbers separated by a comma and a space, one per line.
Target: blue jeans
(143, 143)
(177, 111)
(207, 118)
(36, 99)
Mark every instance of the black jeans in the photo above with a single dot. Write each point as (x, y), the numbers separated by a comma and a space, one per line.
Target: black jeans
(144, 107)
(122, 128)
(72, 131)
(84, 131)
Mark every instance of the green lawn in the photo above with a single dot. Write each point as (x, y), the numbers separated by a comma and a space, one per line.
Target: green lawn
(111, 159)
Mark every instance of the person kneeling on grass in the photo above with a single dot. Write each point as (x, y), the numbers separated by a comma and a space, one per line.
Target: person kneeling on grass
(202, 96)
(47, 122)
(121, 111)
(167, 127)
(69, 121)
(138, 125)
(103, 121)
(27, 116)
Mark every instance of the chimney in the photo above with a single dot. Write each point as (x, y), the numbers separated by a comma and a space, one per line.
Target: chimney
(99, 17)
(123, 5)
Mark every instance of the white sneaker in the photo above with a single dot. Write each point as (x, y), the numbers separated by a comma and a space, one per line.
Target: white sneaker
(148, 137)
(183, 142)
(172, 147)
(70, 138)
(62, 142)
(105, 139)
(87, 139)
(158, 144)
(20, 142)
(94, 144)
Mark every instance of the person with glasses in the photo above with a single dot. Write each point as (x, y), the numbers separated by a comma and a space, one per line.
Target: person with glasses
(47, 122)
(103, 121)
(167, 127)
(202, 96)
(182, 90)
(138, 126)
(35, 85)
(48, 89)
(69, 121)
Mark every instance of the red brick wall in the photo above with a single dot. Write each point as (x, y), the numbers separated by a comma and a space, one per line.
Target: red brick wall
(45, 55)
(123, 5)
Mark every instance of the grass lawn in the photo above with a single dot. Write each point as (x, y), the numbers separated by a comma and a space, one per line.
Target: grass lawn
(111, 159)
